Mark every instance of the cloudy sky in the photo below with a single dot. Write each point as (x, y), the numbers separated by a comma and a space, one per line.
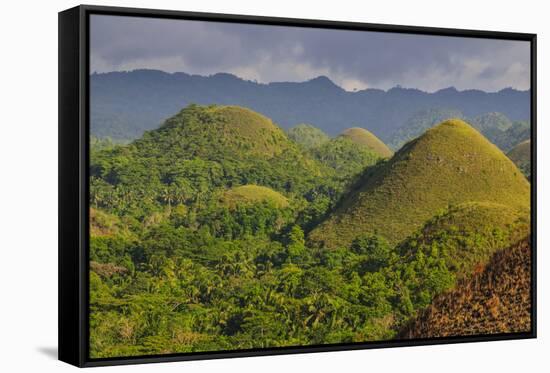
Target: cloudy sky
(352, 59)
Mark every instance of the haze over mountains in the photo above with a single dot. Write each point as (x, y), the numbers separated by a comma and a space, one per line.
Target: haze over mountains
(125, 104)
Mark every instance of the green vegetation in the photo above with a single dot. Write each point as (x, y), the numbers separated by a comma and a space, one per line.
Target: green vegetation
(519, 132)
(521, 156)
(346, 157)
(104, 224)
(501, 131)
(363, 137)
(450, 164)
(97, 143)
(491, 122)
(201, 233)
(220, 130)
(307, 136)
(496, 127)
(496, 299)
(195, 153)
(468, 234)
(251, 194)
(104, 143)
(419, 123)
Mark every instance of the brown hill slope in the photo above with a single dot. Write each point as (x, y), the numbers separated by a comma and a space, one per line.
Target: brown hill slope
(497, 299)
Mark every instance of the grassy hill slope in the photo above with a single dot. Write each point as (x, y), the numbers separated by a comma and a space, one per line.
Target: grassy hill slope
(363, 137)
(250, 194)
(451, 163)
(495, 300)
(417, 124)
(205, 131)
(468, 234)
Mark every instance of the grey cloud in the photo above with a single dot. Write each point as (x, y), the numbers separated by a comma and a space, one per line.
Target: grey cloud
(275, 53)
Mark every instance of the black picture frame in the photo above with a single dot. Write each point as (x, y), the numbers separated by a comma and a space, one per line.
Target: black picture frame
(74, 189)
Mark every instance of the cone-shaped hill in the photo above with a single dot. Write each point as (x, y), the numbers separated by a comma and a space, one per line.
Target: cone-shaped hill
(211, 131)
(203, 148)
(496, 300)
(251, 194)
(521, 152)
(521, 156)
(363, 137)
(449, 164)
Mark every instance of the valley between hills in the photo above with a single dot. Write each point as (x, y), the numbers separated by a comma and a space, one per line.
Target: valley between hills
(220, 230)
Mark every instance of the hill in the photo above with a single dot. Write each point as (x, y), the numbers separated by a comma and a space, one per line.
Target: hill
(506, 140)
(495, 126)
(469, 233)
(451, 163)
(307, 136)
(346, 157)
(502, 131)
(497, 299)
(521, 156)
(419, 122)
(198, 151)
(208, 131)
(125, 104)
(363, 137)
(250, 194)
(490, 122)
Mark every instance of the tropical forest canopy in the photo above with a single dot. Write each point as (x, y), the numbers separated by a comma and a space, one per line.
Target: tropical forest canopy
(218, 230)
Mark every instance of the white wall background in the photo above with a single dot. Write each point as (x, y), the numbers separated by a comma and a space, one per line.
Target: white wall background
(28, 185)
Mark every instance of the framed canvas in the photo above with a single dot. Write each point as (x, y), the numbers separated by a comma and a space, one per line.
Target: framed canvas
(235, 186)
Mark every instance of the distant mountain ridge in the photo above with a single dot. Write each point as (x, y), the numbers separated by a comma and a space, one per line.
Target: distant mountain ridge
(125, 104)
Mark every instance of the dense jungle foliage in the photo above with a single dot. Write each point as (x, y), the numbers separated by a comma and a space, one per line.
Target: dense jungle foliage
(199, 242)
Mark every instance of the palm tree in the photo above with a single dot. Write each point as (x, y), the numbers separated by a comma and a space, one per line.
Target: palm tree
(167, 196)
(180, 196)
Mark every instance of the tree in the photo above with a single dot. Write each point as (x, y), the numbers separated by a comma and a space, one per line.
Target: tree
(167, 196)
(296, 243)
